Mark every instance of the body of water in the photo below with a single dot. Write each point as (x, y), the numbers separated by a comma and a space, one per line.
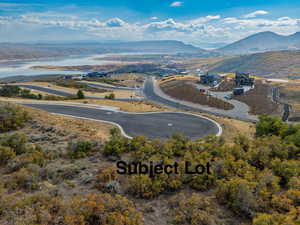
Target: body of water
(23, 68)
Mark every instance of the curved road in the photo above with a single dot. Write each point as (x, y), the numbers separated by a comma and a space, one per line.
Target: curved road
(152, 125)
(150, 93)
(98, 85)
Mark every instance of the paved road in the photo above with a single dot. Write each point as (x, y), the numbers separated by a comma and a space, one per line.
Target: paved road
(67, 94)
(152, 125)
(150, 94)
(95, 84)
(46, 89)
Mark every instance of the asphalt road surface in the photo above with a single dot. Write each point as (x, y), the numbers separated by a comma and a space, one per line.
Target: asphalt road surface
(47, 90)
(94, 84)
(150, 94)
(152, 125)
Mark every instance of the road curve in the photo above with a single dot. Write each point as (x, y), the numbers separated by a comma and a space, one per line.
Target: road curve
(150, 94)
(152, 125)
(98, 85)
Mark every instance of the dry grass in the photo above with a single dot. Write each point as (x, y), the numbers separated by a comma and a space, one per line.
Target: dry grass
(231, 127)
(118, 93)
(180, 89)
(126, 106)
(81, 127)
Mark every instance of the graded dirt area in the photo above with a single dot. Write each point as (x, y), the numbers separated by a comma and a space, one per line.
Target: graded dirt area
(225, 85)
(130, 79)
(180, 89)
(259, 100)
(290, 94)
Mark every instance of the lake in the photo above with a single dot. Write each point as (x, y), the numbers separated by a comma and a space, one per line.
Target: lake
(23, 68)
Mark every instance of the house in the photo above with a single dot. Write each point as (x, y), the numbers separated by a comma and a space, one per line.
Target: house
(243, 79)
(96, 74)
(210, 79)
(238, 91)
(67, 76)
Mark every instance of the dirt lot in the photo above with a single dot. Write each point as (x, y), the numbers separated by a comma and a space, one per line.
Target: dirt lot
(130, 79)
(259, 101)
(225, 85)
(181, 90)
(290, 94)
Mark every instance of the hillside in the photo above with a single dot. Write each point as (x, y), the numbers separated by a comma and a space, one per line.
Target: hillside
(13, 51)
(55, 170)
(268, 64)
(262, 42)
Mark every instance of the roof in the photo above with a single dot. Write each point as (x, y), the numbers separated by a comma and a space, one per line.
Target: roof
(214, 76)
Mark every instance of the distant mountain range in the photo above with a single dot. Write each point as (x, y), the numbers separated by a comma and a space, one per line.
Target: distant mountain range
(267, 64)
(262, 42)
(12, 51)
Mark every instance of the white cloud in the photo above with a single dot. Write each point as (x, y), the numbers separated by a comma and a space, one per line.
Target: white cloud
(115, 22)
(205, 19)
(210, 28)
(256, 13)
(176, 4)
(154, 18)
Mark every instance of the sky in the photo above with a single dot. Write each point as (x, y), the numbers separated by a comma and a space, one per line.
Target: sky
(191, 21)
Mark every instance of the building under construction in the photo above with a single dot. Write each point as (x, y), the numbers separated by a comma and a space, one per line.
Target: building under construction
(243, 79)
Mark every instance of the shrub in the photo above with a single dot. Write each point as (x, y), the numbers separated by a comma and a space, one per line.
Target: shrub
(116, 146)
(12, 117)
(17, 142)
(103, 209)
(80, 94)
(9, 91)
(111, 96)
(81, 148)
(6, 154)
(276, 219)
(142, 186)
(25, 93)
(238, 194)
(269, 125)
(194, 210)
(25, 178)
(107, 180)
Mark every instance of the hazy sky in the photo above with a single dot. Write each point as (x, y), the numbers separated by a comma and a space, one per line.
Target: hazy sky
(191, 21)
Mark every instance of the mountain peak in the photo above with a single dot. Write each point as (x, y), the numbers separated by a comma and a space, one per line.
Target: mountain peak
(262, 42)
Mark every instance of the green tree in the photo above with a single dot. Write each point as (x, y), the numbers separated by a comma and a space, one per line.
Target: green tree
(80, 94)
(270, 125)
(9, 91)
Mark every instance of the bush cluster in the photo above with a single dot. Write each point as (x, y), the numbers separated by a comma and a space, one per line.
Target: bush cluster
(81, 148)
(257, 179)
(15, 91)
(42, 208)
(12, 117)
(111, 96)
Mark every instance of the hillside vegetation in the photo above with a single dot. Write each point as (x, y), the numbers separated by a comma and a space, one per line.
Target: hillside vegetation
(50, 176)
(268, 64)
